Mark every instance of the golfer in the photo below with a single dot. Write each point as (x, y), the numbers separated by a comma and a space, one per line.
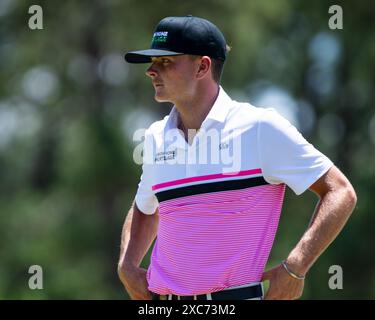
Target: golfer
(213, 182)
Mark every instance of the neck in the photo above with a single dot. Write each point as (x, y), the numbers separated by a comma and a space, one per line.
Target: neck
(193, 112)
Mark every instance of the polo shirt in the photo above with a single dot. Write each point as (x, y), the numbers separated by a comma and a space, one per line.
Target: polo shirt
(219, 198)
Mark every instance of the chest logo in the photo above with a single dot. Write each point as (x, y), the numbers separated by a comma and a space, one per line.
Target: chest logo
(163, 156)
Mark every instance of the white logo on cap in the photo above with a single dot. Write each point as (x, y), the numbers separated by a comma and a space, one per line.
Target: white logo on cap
(160, 36)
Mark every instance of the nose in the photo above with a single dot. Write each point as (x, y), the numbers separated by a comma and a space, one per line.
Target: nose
(151, 72)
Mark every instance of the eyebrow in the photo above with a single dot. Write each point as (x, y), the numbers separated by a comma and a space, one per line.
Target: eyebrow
(170, 58)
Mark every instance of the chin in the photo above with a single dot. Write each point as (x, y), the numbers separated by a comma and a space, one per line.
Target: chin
(160, 98)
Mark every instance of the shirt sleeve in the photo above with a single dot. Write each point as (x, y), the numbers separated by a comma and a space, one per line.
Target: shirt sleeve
(145, 197)
(286, 156)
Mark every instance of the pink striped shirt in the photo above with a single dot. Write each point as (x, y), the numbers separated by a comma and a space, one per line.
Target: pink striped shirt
(210, 241)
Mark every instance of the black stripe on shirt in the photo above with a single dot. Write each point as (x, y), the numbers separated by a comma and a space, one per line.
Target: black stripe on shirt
(210, 187)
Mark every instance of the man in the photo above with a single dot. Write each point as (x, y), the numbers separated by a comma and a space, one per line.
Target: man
(215, 220)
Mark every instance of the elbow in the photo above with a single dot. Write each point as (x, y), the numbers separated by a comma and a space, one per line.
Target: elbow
(121, 270)
(125, 269)
(351, 197)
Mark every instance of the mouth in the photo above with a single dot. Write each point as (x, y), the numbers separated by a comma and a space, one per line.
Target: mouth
(157, 85)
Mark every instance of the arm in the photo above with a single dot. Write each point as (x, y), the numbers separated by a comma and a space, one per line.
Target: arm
(337, 201)
(138, 233)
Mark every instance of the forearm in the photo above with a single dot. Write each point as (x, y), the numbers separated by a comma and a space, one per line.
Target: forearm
(330, 216)
(138, 233)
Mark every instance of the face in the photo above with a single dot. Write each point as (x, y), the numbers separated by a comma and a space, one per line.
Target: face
(173, 77)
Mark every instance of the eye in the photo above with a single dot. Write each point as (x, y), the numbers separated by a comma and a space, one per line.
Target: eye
(165, 60)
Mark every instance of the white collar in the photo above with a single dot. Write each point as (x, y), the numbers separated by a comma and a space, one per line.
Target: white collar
(218, 112)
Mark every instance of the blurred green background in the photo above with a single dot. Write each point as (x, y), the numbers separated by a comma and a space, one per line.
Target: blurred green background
(69, 106)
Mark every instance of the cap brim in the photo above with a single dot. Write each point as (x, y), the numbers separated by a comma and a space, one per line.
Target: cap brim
(144, 56)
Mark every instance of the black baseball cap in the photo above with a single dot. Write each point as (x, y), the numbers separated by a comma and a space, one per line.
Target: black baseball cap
(182, 35)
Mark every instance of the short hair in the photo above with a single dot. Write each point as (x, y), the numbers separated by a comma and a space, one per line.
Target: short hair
(217, 66)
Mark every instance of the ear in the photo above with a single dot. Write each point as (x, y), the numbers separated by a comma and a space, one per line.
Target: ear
(204, 67)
